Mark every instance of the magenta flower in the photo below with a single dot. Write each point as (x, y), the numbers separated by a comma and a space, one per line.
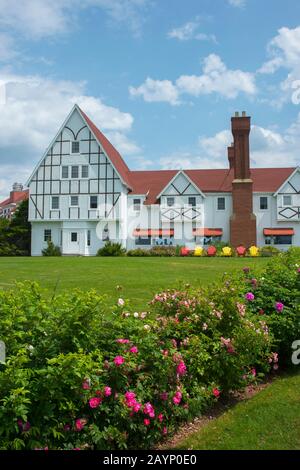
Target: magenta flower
(253, 372)
(181, 368)
(122, 341)
(246, 270)
(134, 350)
(149, 410)
(119, 360)
(165, 430)
(146, 422)
(279, 307)
(24, 427)
(136, 407)
(177, 398)
(95, 402)
(160, 417)
(216, 392)
(164, 396)
(107, 391)
(249, 296)
(86, 385)
(80, 423)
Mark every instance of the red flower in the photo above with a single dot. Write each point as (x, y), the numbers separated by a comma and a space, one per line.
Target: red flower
(216, 392)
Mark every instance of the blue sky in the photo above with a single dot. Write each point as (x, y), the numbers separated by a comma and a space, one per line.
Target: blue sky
(161, 78)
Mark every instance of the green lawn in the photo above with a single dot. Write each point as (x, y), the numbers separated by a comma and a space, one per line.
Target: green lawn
(269, 420)
(140, 277)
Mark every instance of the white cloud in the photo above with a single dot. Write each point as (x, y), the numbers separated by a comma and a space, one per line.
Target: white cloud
(7, 47)
(284, 51)
(237, 3)
(156, 91)
(268, 148)
(45, 18)
(216, 78)
(190, 30)
(35, 108)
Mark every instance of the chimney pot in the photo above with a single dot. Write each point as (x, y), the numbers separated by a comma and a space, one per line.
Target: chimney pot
(244, 113)
(236, 114)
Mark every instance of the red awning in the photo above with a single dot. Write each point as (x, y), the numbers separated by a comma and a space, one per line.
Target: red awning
(279, 231)
(207, 232)
(139, 232)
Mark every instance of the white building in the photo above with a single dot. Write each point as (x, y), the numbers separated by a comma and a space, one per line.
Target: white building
(82, 193)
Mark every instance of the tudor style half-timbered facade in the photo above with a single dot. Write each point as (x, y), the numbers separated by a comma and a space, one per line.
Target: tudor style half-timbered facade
(82, 193)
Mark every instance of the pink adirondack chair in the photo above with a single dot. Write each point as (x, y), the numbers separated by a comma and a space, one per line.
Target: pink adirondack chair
(184, 251)
(241, 250)
(211, 250)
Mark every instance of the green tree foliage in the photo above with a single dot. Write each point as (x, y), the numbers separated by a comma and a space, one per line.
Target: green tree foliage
(15, 235)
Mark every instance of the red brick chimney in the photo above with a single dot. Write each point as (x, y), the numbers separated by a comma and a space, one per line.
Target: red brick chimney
(242, 221)
(231, 156)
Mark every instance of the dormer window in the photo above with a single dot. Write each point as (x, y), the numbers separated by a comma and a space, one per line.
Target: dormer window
(75, 146)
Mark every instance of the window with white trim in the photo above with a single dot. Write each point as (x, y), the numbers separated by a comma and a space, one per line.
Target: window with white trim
(74, 237)
(75, 147)
(74, 200)
(170, 201)
(192, 201)
(84, 171)
(55, 202)
(263, 203)
(287, 200)
(88, 238)
(65, 172)
(221, 204)
(137, 205)
(93, 202)
(75, 171)
(47, 235)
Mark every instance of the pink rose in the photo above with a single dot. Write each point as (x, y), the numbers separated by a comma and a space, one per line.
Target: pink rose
(107, 391)
(86, 385)
(160, 417)
(134, 350)
(181, 368)
(119, 360)
(95, 402)
(146, 422)
(279, 307)
(80, 423)
(216, 392)
(249, 296)
(177, 398)
(122, 341)
(165, 430)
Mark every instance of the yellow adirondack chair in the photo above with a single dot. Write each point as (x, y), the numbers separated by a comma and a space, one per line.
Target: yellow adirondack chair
(253, 251)
(227, 251)
(198, 251)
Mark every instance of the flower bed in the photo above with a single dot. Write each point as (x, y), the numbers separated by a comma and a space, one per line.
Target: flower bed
(80, 377)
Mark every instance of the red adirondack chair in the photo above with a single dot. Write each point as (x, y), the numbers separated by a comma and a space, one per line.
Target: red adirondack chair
(211, 250)
(184, 251)
(241, 250)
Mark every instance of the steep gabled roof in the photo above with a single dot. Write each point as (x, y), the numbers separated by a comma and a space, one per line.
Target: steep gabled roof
(266, 180)
(18, 197)
(110, 150)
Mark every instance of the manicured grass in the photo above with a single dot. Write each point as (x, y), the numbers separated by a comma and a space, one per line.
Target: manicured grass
(139, 277)
(269, 420)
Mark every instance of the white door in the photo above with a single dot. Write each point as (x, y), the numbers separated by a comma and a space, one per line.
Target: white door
(74, 242)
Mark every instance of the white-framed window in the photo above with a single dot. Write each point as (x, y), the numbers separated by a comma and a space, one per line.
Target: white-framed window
(263, 203)
(65, 172)
(84, 171)
(192, 201)
(55, 202)
(88, 238)
(74, 237)
(137, 205)
(47, 235)
(75, 146)
(221, 206)
(287, 200)
(93, 202)
(75, 171)
(74, 201)
(170, 201)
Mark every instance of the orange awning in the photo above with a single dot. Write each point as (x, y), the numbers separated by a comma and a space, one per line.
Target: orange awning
(139, 232)
(207, 232)
(278, 231)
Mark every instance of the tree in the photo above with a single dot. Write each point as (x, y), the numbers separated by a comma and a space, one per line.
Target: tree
(15, 236)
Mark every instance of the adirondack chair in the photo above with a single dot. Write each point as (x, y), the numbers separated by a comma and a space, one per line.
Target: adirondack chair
(227, 251)
(211, 251)
(198, 251)
(253, 251)
(241, 250)
(185, 251)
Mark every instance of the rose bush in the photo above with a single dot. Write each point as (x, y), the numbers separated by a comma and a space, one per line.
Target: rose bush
(79, 376)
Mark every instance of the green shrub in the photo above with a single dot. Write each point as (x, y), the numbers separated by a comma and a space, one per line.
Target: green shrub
(111, 249)
(51, 249)
(138, 252)
(161, 250)
(269, 250)
(80, 376)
